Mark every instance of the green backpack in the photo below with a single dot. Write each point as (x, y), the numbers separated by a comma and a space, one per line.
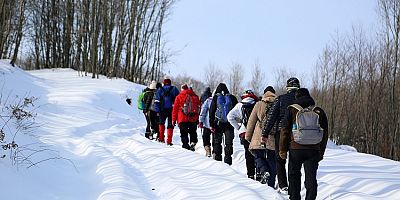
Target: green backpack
(140, 102)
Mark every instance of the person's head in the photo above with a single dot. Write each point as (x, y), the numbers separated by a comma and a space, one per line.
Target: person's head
(221, 88)
(302, 92)
(292, 84)
(167, 81)
(269, 89)
(158, 85)
(248, 93)
(184, 87)
(153, 85)
(208, 89)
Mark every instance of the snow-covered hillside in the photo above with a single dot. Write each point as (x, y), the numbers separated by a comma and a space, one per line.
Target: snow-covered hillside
(103, 154)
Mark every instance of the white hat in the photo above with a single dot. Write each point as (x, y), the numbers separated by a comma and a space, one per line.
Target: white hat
(153, 84)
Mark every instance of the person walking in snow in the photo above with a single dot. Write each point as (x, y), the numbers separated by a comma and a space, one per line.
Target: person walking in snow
(221, 104)
(206, 94)
(275, 118)
(204, 124)
(185, 113)
(163, 103)
(149, 109)
(264, 154)
(306, 146)
(240, 114)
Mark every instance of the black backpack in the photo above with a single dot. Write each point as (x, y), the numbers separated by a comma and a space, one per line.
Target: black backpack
(247, 108)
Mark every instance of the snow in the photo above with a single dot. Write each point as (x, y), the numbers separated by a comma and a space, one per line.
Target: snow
(103, 153)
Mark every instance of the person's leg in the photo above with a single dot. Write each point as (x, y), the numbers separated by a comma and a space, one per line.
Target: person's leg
(162, 118)
(295, 162)
(148, 130)
(184, 130)
(229, 135)
(259, 158)
(280, 165)
(310, 170)
(170, 127)
(217, 143)
(206, 137)
(193, 132)
(250, 165)
(271, 161)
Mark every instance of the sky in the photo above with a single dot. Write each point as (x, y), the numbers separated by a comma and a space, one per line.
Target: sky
(100, 152)
(278, 34)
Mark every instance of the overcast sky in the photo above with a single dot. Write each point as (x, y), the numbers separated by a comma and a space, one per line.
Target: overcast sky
(279, 34)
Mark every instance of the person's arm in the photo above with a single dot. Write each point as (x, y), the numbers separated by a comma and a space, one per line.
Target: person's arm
(233, 115)
(251, 123)
(272, 116)
(324, 124)
(285, 134)
(204, 111)
(175, 109)
(157, 101)
(213, 109)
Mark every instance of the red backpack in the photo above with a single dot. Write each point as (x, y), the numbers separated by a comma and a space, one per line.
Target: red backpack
(191, 106)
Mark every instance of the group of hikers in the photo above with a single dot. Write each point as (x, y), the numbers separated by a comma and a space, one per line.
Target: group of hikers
(269, 127)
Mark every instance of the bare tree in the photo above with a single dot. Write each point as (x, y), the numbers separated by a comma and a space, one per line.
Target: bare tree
(213, 76)
(236, 76)
(258, 78)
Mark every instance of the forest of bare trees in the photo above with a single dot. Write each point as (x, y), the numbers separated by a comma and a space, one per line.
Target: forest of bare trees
(357, 84)
(114, 38)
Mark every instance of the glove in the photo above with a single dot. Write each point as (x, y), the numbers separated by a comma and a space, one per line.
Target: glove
(129, 101)
(201, 125)
(264, 140)
(283, 155)
(212, 130)
(241, 137)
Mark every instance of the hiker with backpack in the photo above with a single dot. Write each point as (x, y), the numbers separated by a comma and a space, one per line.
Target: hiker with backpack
(304, 134)
(141, 106)
(238, 118)
(264, 154)
(164, 100)
(149, 110)
(204, 124)
(275, 118)
(221, 104)
(185, 113)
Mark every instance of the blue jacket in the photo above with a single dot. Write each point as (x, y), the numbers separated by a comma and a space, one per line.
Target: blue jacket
(204, 112)
(166, 100)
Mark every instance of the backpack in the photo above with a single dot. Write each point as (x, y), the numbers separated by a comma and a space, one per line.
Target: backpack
(306, 129)
(189, 106)
(166, 94)
(152, 101)
(140, 102)
(246, 112)
(224, 105)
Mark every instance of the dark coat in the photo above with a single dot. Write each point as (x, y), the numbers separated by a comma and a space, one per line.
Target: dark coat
(286, 141)
(167, 100)
(207, 93)
(277, 113)
(148, 99)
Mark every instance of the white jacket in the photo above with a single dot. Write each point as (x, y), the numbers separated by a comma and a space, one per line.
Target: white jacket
(235, 115)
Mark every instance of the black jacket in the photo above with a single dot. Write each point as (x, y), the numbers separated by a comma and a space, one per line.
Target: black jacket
(277, 113)
(148, 99)
(221, 88)
(207, 93)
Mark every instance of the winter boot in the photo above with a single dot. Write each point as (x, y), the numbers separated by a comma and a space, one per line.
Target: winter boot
(208, 151)
(162, 130)
(228, 159)
(264, 178)
(192, 146)
(170, 133)
(148, 135)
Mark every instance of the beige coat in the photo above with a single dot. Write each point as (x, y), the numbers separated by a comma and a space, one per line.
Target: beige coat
(254, 125)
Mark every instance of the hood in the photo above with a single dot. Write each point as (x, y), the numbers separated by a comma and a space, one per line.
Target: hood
(187, 91)
(269, 97)
(305, 101)
(221, 88)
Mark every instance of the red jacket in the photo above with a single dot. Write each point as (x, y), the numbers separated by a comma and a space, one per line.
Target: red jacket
(177, 111)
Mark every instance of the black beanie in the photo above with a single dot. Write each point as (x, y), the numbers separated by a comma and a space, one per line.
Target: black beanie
(302, 92)
(269, 88)
(293, 82)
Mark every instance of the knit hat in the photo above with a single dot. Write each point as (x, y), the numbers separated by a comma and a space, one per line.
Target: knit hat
(302, 92)
(293, 83)
(184, 87)
(158, 85)
(152, 85)
(167, 81)
(270, 89)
